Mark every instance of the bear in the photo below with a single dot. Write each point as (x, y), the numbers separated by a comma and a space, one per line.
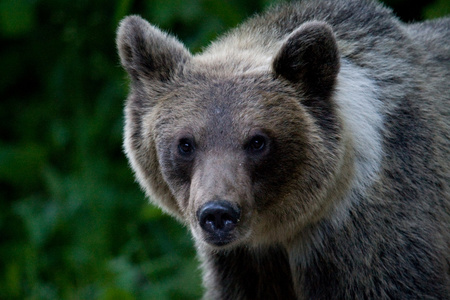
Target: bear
(307, 150)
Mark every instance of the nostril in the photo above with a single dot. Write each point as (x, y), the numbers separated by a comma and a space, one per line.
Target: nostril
(210, 218)
(227, 219)
(218, 216)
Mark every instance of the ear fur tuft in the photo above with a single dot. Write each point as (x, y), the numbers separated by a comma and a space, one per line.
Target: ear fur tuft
(147, 52)
(309, 57)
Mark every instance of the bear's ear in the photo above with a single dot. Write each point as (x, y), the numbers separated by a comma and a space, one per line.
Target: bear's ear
(309, 57)
(148, 53)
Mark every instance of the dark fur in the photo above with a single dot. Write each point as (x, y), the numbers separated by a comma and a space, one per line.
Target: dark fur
(326, 212)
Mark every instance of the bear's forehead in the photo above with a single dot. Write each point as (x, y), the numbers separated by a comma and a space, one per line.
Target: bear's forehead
(219, 108)
(236, 96)
(219, 92)
(213, 97)
(226, 109)
(219, 88)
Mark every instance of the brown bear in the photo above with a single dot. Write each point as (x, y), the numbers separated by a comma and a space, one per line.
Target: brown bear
(307, 150)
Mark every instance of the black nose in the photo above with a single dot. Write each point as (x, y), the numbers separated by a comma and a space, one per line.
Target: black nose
(218, 216)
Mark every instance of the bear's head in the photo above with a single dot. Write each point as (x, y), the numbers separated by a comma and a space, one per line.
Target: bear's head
(242, 149)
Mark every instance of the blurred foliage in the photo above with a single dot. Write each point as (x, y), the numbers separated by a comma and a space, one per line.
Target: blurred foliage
(73, 223)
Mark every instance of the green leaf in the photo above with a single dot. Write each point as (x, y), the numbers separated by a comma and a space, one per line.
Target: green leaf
(17, 17)
(21, 166)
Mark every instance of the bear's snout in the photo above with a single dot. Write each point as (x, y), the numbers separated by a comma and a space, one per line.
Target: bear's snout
(218, 219)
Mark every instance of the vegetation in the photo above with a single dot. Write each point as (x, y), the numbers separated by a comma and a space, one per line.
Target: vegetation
(73, 223)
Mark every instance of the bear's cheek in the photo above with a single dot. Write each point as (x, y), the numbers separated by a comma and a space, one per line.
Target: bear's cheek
(176, 175)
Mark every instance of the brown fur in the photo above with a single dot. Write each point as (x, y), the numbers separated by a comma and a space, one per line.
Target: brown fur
(348, 197)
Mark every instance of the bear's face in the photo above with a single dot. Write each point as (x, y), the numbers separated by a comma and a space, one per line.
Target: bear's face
(237, 156)
(223, 140)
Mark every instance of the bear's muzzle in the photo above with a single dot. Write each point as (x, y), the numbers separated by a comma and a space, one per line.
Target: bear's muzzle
(218, 220)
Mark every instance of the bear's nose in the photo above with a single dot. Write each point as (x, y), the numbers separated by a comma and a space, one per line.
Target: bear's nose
(217, 216)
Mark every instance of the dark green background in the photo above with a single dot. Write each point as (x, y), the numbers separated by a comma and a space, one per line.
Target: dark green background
(73, 223)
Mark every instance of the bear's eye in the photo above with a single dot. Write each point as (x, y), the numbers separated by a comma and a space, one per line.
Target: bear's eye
(257, 143)
(185, 146)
